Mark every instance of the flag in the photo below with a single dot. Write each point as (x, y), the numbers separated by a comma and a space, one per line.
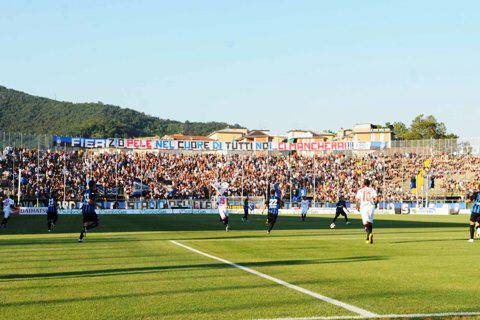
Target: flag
(139, 188)
(426, 163)
(277, 190)
(419, 182)
(420, 175)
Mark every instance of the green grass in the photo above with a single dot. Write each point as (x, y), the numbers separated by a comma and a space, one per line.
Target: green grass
(128, 269)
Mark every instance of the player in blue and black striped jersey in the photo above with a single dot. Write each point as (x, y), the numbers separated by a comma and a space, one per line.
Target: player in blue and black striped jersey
(273, 205)
(340, 210)
(246, 207)
(475, 217)
(52, 211)
(90, 218)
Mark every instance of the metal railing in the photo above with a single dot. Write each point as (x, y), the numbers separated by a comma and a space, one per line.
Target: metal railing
(22, 140)
(460, 146)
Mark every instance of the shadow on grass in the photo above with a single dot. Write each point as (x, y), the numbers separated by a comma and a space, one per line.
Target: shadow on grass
(432, 240)
(153, 269)
(189, 222)
(95, 240)
(103, 257)
(93, 281)
(159, 313)
(133, 295)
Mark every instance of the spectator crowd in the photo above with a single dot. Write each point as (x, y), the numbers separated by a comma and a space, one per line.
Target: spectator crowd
(190, 176)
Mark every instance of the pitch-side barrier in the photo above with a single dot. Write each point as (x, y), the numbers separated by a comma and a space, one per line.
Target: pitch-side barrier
(326, 211)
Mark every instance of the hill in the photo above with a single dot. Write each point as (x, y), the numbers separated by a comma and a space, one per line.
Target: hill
(22, 112)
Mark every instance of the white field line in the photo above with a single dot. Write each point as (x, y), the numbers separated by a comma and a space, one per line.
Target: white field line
(385, 316)
(354, 309)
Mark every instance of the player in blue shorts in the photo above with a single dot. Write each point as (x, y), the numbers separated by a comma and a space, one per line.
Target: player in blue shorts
(246, 208)
(90, 218)
(340, 210)
(52, 212)
(474, 218)
(273, 204)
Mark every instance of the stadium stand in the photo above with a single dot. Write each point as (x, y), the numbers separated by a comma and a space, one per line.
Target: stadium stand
(152, 175)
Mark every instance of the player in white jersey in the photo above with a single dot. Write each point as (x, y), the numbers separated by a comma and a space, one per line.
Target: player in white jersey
(8, 208)
(305, 205)
(366, 200)
(222, 210)
(222, 202)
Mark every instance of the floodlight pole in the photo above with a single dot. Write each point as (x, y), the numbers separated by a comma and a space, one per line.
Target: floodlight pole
(427, 189)
(314, 180)
(13, 165)
(141, 179)
(38, 171)
(290, 173)
(19, 181)
(243, 173)
(116, 171)
(384, 195)
(64, 174)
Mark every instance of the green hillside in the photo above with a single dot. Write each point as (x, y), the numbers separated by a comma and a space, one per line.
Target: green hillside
(22, 112)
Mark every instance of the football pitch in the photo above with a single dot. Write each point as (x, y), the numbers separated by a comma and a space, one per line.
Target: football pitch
(188, 267)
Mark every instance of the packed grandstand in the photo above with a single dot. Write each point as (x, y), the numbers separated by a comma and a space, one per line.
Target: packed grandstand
(129, 174)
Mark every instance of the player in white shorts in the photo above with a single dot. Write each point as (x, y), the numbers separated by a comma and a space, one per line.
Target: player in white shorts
(8, 208)
(366, 201)
(222, 202)
(222, 210)
(305, 205)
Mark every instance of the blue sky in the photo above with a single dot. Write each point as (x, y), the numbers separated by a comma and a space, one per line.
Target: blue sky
(264, 64)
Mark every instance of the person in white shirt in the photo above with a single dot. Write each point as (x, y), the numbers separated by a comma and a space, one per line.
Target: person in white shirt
(305, 204)
(222, 202)
(366, 200)
(8, 207)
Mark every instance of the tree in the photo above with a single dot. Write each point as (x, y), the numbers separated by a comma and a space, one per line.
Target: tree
(399, 130)
(427, 127)
(422, 127)
(21, 112)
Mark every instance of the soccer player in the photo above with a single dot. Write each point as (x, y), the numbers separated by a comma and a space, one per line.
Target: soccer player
(90, 217)
(222, 202)
(8, 207)
(475, 218)
(52, 212)
(341, 210)
(366, 201)
(273, 204)
(246, 207)
(305, 205)
(223, 210)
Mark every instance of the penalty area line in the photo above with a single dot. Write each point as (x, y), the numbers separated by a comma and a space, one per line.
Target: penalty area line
(387, 316)
(346, 306)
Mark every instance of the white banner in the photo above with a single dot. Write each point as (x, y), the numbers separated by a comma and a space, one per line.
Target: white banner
(159, 144)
